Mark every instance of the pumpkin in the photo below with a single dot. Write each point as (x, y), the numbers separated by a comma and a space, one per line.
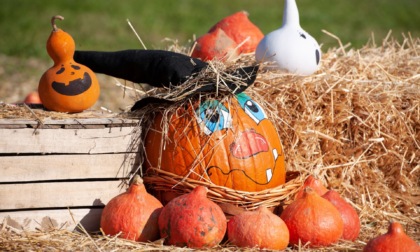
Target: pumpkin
(239, 28)
(215, 45)
(227, 142)
(349, 215)
(32, 98)
(192, 220)
(312, 219)
(313, 183)
(132, 214)
(67, 86)
(260, 228)
(395, 240)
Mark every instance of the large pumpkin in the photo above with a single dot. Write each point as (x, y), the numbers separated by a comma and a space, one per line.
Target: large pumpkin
(230, 143)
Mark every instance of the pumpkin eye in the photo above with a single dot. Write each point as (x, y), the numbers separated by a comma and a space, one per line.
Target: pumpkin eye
(251, 108)
(214, 116)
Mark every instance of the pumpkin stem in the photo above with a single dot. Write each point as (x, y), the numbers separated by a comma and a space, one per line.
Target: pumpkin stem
(137, 180)
(55, 28)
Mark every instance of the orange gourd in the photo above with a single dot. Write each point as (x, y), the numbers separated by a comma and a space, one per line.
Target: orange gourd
(395, 240)
(67, 86)
(312, 219)
(239, 28)
(231, 143)
(132, 214)
(313, 183)
(192, 220)
(215, 45)
(32, 98)
(349, 215)
(260, 228)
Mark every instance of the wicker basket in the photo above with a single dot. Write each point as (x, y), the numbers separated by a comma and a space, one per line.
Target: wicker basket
(230, 200)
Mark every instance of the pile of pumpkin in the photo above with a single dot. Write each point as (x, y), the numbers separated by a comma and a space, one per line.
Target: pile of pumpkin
(317, 217)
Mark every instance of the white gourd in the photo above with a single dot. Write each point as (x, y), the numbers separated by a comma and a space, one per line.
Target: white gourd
(290, 48)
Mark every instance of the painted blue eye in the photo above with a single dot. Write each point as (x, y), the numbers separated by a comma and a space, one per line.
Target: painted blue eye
(214, 116)
(251, 108)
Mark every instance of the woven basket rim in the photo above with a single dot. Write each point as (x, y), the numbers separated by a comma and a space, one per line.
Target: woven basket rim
(161, 180)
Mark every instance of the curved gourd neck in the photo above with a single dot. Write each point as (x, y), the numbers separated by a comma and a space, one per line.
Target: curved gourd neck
(290, 13)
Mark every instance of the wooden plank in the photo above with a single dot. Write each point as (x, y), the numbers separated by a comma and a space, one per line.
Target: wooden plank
(60, 167)
(107, 140)
(70, 121)
(58, 194)
(46, 220)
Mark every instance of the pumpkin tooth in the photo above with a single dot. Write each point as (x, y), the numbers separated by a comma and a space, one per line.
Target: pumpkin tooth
(275, 154)
(269, 173)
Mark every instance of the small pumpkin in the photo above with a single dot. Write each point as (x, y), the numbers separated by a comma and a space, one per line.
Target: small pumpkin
(349, 215)
(312, 219)
(313, 183)
(229, 142)
(239, 28)
(395, 240)
(215, 45)
(32, 98)
(132, 214)
(260, 228)
(192, 220)
(67, 86)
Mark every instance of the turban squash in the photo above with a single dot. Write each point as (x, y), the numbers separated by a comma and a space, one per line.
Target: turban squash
(229, 142)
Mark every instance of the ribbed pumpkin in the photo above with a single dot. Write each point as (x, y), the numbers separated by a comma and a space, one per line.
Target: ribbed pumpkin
(215, 45)
(230, 142)
(395, 240)
(192, 220)
(260, 228)
(67, 86)
(312, 219)
(133, 214)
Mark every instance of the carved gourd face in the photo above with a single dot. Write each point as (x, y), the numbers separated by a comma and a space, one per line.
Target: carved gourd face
(67, 86)
(230, 143)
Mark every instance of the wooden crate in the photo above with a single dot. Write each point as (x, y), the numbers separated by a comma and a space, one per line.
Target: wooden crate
(62, 172)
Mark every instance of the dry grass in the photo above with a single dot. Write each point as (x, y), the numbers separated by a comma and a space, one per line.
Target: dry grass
(355, 124)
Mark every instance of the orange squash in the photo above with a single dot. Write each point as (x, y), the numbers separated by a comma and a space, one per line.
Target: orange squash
(133, 214)
(215, 45)
(239, 28)
(312, 219)
(67, 86)
(231, 143)
(192, 220)
(349, 215)
(313, 183)
(260, 228)
(395, 240)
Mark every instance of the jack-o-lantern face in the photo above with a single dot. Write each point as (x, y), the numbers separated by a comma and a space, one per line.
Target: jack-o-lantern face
(231, 144)
(68, 87)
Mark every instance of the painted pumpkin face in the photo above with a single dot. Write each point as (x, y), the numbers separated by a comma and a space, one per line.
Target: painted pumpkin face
(68, 87)
(231, 144)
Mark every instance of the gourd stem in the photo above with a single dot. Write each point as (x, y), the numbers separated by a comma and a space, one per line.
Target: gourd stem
(290, 13)
(55, 28)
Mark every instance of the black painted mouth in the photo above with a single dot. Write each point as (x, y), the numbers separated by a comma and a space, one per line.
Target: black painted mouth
(75, 87)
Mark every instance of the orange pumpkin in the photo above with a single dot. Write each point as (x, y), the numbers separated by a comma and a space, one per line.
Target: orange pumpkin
(192, 220)
(215, 45)
(395, 240)
(230, 143)
(238, 27)
(312, 219)
(133, 215)
(260, 228)
(67, 86)
(313, 183)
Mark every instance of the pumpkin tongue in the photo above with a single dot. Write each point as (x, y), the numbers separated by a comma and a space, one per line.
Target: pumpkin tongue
(248, 144)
